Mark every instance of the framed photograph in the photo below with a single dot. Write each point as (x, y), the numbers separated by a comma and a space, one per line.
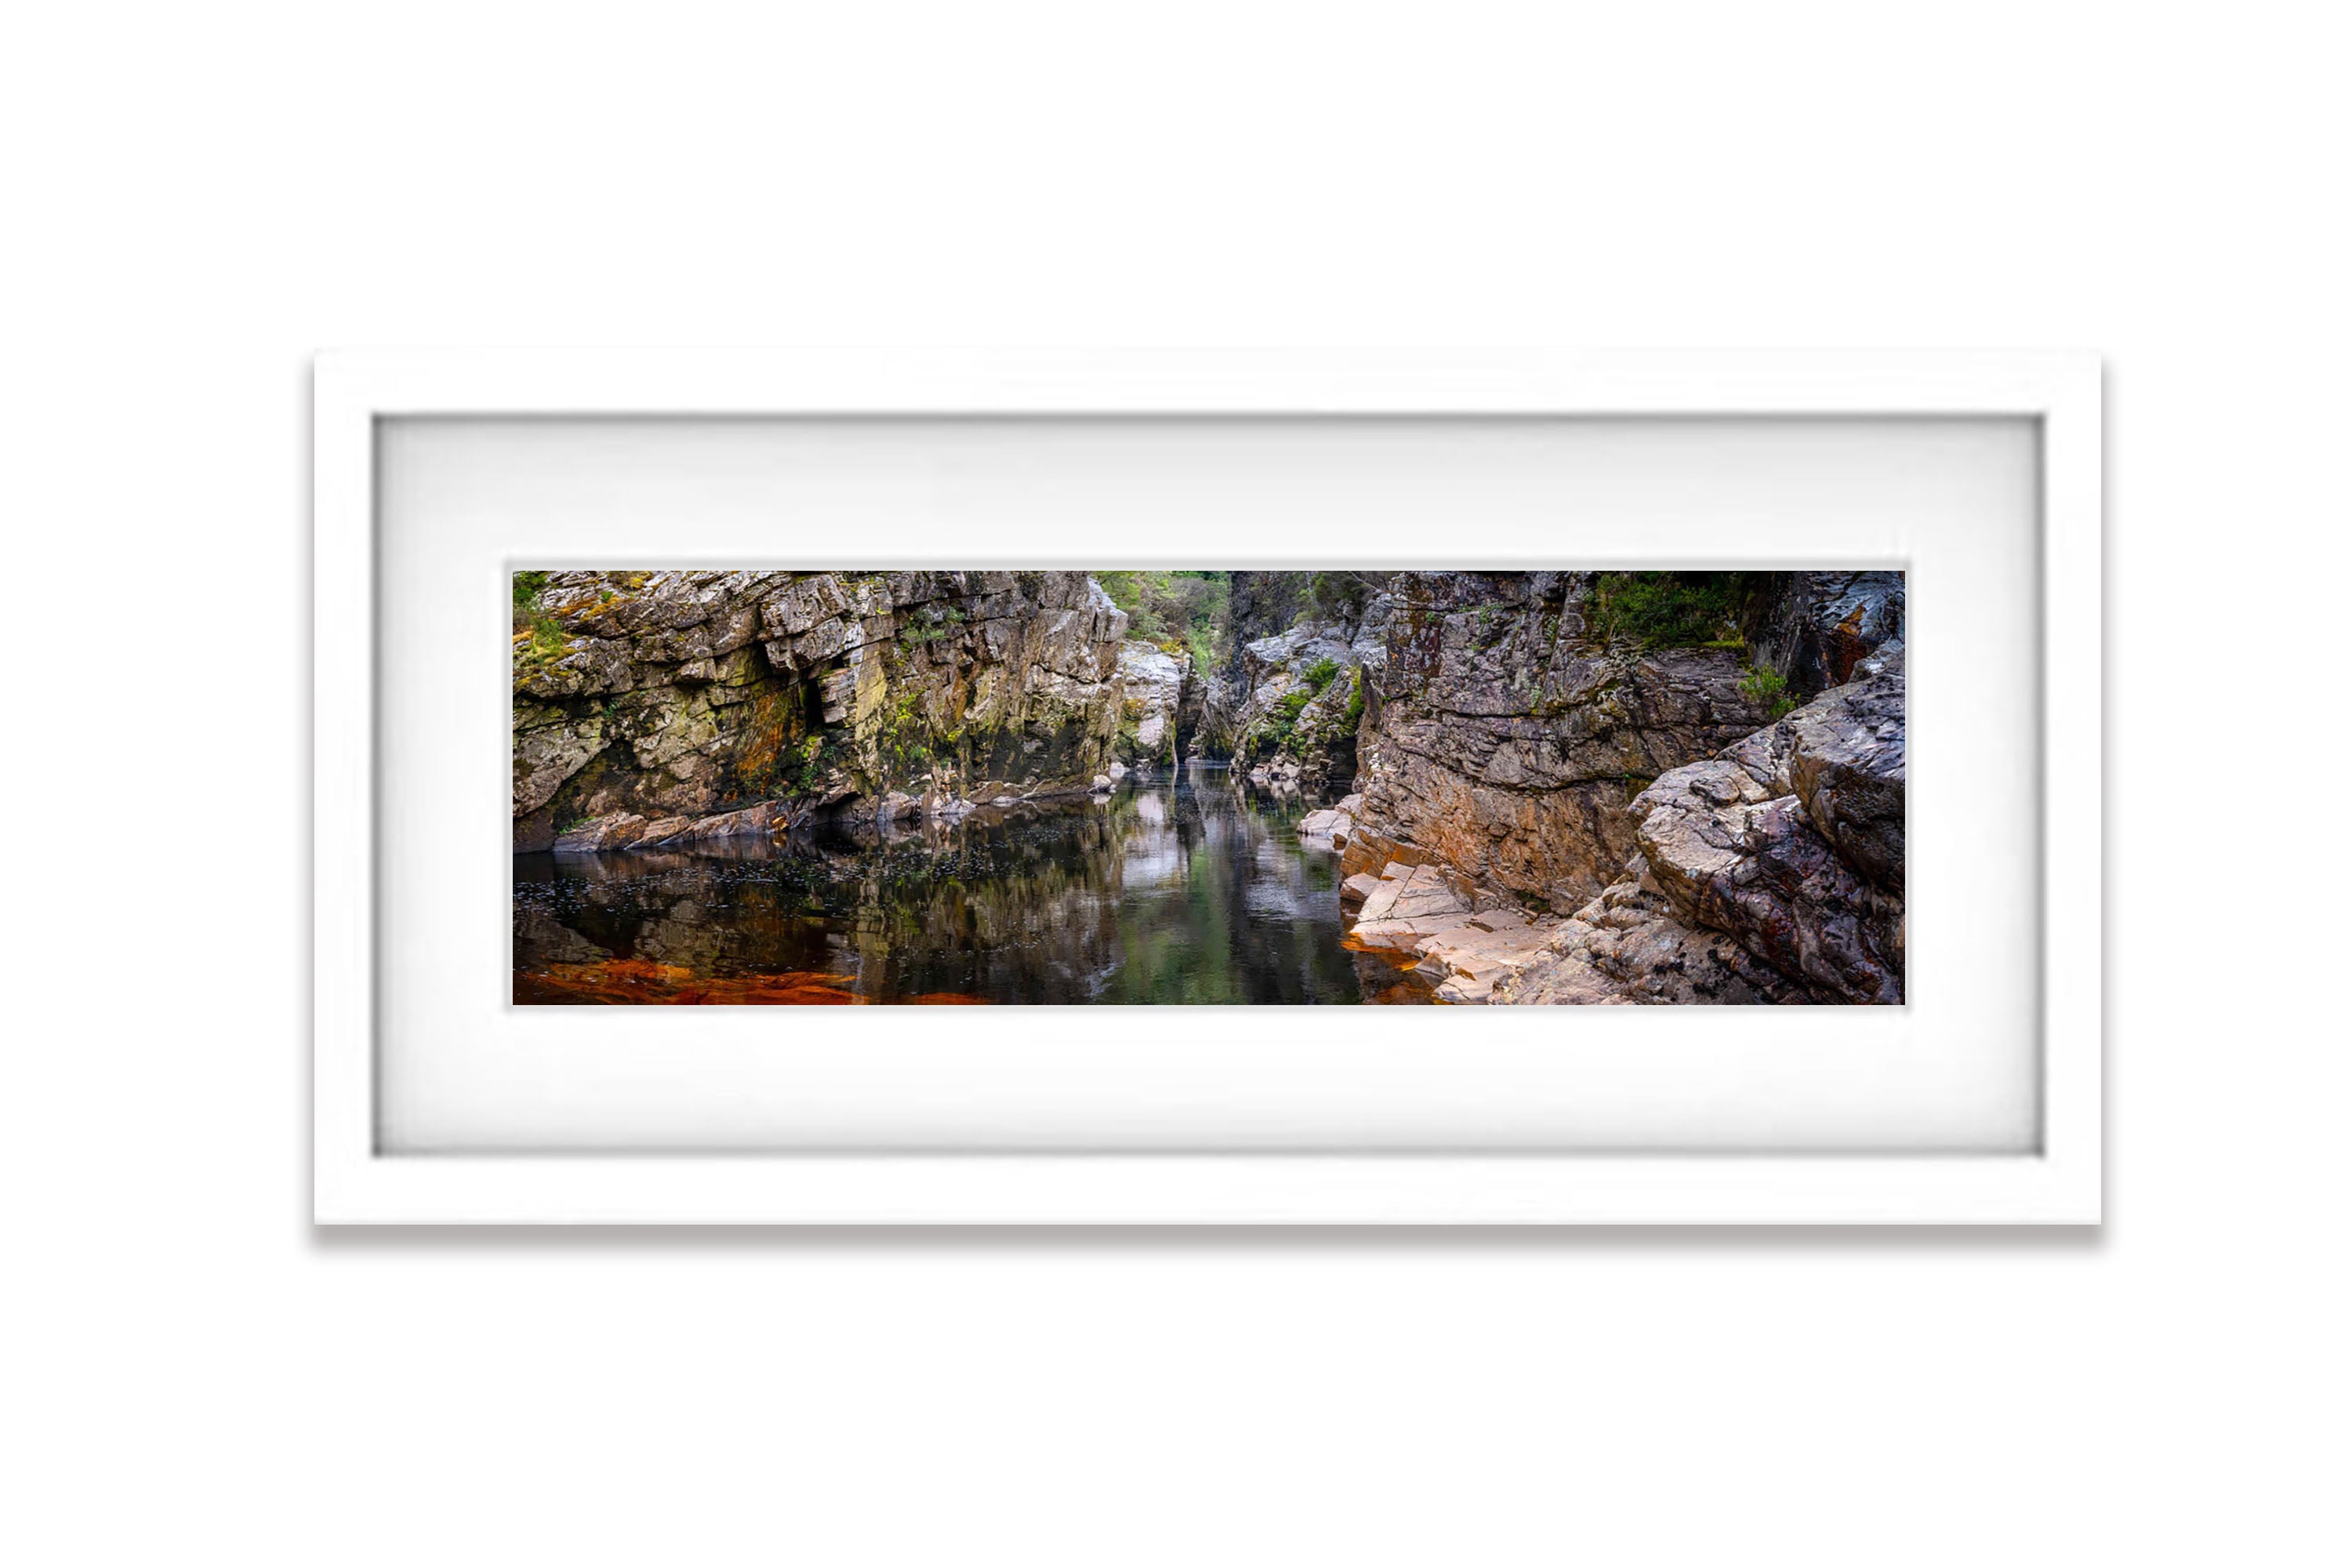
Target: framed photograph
(1291, 789)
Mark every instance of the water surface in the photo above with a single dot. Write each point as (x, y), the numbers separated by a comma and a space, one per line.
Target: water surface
(1191, 890)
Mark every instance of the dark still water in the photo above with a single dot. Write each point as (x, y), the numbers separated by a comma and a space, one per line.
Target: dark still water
(1191, 892)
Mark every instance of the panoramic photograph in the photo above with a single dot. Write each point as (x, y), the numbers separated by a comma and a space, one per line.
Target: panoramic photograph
(952, 788)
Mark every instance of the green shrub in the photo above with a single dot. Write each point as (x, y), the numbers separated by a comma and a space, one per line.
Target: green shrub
(813, 764)
(1767, 690)
(1186, 609)
(547, 640)
(1675, 610)
(1336, 593)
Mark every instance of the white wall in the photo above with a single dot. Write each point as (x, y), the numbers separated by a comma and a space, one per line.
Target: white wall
(198, 196)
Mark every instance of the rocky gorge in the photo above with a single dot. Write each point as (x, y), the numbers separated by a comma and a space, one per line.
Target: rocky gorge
(1533, 787)
(661, 708)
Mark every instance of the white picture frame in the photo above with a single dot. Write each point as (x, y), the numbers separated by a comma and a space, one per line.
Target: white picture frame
(358, 1180)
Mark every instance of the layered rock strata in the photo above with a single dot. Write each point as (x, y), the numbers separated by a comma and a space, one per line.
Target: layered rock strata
(691, 695)
(1150, 707)
(1506, 742)
(1770, 873)
(1816, 633)
(1544, 818)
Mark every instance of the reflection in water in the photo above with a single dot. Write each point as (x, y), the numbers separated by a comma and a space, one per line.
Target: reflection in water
(1195, 892)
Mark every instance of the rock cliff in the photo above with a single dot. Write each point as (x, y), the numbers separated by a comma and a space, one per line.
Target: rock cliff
(1772, 872)
(649, 705)
(1153, 680)
(1552, 810)
(1563, 786)
(1508, 742)
(1821, 625)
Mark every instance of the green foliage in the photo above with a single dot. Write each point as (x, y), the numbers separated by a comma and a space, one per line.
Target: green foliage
(900, 743)
(1355, 700)
(1767, 690)
(1320, 674)
(546, 640)
(1336, 593)
(1173, 609)
(1675, 610)
(809, 764)
(922, 630)
(1277, 731)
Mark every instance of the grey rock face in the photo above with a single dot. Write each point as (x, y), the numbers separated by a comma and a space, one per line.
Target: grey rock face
(1626, 946)
(1772, 872)
(1846, 763)
(700, 693)
(1819, 633)
(1503, 741)
(1153, 680)
(1758, 870)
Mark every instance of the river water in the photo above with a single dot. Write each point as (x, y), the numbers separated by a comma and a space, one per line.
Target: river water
(1195, 890)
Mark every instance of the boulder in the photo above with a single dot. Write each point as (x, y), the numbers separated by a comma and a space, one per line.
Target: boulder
(616, 830)
(1846, 761)
(1761, 873)
(550, 746)
(1627, 947)
(1405, 907)
(1326, 827)
(760, 821)
(1151, 682)
(1503, 740)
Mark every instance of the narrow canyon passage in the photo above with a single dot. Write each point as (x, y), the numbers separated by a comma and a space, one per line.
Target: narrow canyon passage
(1050, 786)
